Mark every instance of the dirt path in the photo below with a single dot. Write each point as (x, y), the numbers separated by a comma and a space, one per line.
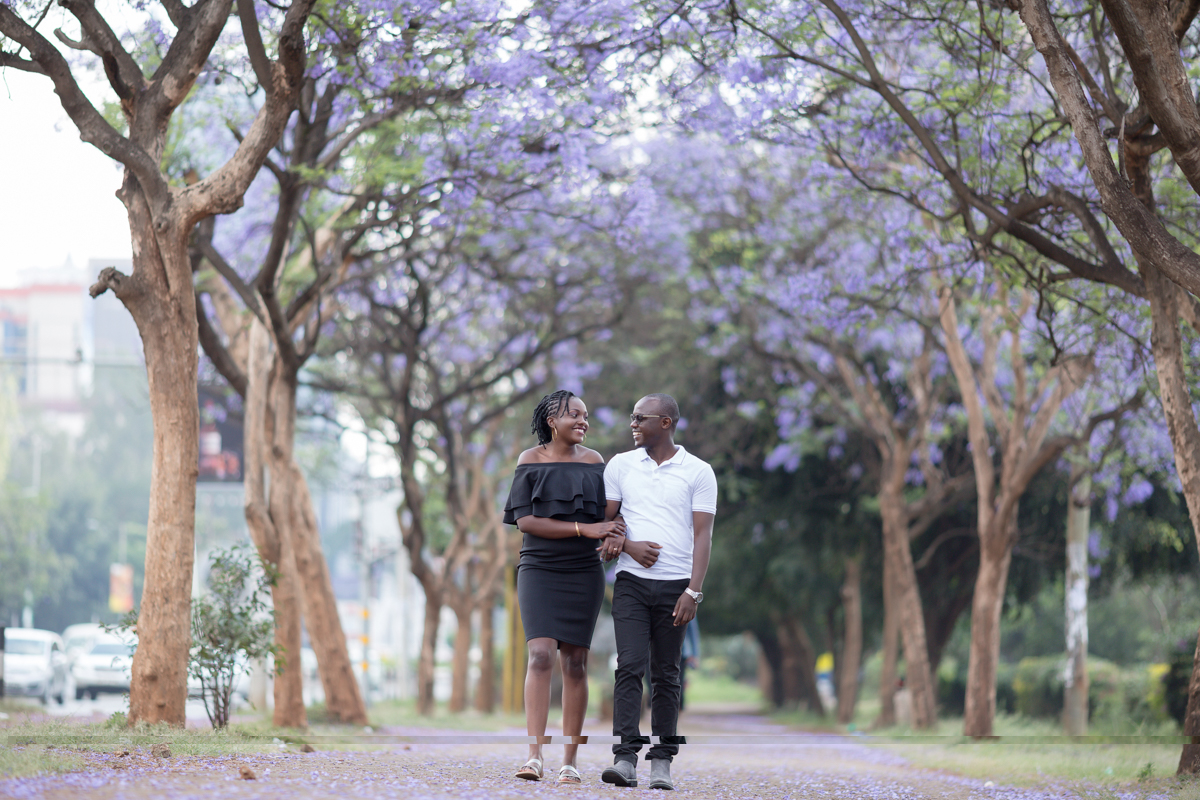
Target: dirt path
(731, 757)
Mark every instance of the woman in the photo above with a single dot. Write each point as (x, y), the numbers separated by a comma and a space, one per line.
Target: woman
(557, 501)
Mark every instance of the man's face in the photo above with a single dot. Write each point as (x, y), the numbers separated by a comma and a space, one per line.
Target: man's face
(647, 423)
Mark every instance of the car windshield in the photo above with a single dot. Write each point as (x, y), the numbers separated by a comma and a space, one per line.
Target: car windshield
(25, 647)
(111, 649)
(77, 641)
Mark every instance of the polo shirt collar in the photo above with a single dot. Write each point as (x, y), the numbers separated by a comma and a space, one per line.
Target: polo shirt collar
(680, 452)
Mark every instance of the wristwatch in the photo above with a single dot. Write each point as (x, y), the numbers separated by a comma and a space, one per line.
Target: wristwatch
(697, 596)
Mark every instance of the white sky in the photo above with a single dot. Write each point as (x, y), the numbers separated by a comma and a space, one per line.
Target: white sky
(56, 192)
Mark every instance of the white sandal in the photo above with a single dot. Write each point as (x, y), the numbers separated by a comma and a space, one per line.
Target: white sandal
(531, 770)
(568, 774)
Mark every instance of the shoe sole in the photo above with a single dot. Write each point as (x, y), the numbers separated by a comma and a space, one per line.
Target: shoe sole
(610, 775)
(661, 785)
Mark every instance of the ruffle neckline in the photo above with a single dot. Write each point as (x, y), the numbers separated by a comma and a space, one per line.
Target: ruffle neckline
(556, 489)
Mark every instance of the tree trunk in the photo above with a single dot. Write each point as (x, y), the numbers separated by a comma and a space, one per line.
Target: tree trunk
(485, 690)
(1075, 683)
(806, 665)
(426, 663)
(291, 505)
(288, 687)
(891, 651)
(462, 607)
(906, 597)
(995, 556)
(166, 321)
(852, 640)
(1167, 344)
(770, 669)
(789, 667)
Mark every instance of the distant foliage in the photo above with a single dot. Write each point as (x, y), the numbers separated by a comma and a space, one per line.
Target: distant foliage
(232, 627)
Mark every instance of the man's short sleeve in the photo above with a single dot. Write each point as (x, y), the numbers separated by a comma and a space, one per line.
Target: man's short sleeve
(612, 479)
(704, 492)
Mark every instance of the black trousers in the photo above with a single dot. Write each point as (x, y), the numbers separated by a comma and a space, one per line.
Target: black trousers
(646, 635)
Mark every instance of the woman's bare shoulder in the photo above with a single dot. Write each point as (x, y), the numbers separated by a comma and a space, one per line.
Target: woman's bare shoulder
(531, 456)
(590, 456)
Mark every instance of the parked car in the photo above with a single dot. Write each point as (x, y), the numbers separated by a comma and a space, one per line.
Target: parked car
(35, 664)
(104, 666)
(77, 638)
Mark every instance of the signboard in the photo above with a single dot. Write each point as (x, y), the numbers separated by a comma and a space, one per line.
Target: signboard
(220, 435)
(120, 588)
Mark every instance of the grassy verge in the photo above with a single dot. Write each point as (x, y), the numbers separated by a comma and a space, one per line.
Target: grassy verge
(31, 744)
(1035, 752)
(704, 689)
(1138, 759)
(403, 714)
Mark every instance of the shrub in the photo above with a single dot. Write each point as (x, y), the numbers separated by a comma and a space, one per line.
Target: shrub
(232, 626)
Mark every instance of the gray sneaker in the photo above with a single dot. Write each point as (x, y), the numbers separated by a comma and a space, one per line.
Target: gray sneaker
(660, 774)
(621, 773)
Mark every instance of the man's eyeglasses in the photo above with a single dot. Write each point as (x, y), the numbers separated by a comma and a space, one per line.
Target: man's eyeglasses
(638, 419)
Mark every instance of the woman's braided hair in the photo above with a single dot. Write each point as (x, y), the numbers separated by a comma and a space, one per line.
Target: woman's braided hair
(551, 406)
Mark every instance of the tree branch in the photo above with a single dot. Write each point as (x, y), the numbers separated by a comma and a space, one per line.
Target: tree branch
(1140, 226)
(217, 353)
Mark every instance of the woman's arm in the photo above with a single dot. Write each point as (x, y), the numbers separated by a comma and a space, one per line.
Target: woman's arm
(548, 528)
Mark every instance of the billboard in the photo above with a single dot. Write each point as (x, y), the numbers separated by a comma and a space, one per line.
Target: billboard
(120, 588)
(221, 454)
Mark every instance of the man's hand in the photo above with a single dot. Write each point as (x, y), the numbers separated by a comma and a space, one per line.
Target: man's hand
(644, 553)
(685, 609)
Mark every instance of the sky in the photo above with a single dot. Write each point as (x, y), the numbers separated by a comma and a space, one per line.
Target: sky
(56, 192)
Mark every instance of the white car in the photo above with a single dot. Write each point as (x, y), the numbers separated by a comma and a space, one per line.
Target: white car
(35, 664)
(76, 638)
(103, 666)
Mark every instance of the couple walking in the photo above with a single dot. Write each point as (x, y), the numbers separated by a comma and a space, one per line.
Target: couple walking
(652, 508)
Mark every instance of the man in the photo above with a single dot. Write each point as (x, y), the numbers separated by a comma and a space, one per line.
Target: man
(668, 499)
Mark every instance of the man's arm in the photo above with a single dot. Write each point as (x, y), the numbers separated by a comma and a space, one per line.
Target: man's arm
(702, 527)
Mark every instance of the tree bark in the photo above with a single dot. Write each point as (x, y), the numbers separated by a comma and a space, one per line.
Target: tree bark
(426, 663)
(1166, 341)
(891, 651)
(291, 503)
(905, 595)
(995, 556)
(789, 667)
(851, 640)
(166, 322)
(1075, 676)
(462, 608)
(269, 539)
(770, 668)
(485, 690)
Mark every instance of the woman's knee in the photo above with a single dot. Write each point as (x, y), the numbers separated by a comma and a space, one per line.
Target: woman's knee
(574, 662)
(541, 658)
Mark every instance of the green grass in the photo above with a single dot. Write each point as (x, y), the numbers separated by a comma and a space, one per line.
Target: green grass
(403, 713)
(1032, 753)
(705, 689)
(1036, 752)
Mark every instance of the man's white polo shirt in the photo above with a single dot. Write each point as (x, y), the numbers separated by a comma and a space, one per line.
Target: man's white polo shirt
(657, 501)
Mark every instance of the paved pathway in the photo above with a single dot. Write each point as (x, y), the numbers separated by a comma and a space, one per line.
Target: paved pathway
(733, 757)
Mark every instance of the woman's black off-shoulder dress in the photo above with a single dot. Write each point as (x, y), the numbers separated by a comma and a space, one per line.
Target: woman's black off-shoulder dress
(560, 582)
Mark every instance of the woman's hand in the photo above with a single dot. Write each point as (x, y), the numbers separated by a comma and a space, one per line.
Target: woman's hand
(611, 546)
(600, 530)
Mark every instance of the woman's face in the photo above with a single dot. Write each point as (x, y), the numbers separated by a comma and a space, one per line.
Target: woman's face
(572, 423)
